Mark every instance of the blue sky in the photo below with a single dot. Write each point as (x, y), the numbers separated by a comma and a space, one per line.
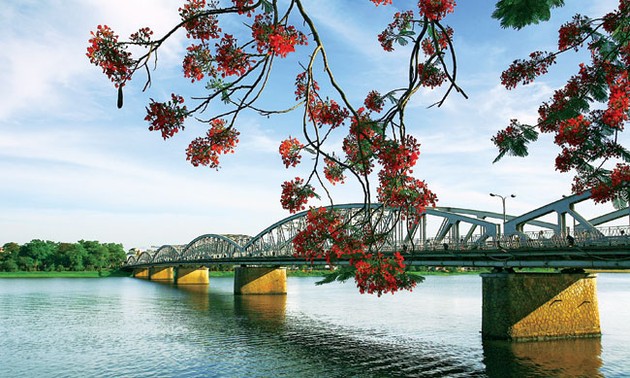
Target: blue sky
(75, 167)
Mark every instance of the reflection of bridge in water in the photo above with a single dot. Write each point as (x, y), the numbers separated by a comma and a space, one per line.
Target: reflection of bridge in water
(515, 305)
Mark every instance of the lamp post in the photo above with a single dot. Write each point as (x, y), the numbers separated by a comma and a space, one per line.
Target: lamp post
(503, 203)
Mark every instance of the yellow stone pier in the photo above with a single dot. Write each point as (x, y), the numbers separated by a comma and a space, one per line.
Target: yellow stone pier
(141, 273)
(260, 280)
(191, 276)
(538, 306)
(163, 273)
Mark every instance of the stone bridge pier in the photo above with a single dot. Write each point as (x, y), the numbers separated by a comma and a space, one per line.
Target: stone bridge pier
(247, 279)
(539, 306)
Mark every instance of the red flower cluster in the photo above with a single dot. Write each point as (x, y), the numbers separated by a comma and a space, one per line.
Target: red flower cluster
(333, 171)
(618, 102)
(105, 51)
(527, 70)
(382, 274)
(327, 113)
(243, 6)
(410, 195)
(197, 24)
(142, 36)
(167, 117)
(402, 22)
(379, 2)
(436, 10)
(574, 131)
(362, 141)
(374, 102)
(302, 86)
(504, 136)
(275, 39)
(314, 241)
(219, 140)
(602, 191)
(570, 35)
(295, 195)
(398, 157)
(430, 75)
(442, 42)
(328, 236)
(230, 58)
(196, 62)
(290, 151)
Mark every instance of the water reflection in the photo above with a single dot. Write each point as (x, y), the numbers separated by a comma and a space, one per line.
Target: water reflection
(198, 295)
(263, 310)
(566, 358)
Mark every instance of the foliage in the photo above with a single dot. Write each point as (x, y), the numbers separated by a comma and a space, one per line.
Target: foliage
(38, 256)
(589, 114)
(236, 66)
(520, 13)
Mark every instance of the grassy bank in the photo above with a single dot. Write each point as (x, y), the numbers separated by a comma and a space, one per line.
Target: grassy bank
(68, 274)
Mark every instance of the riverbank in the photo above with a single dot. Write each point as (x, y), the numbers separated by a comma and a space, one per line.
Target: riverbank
(66, 274)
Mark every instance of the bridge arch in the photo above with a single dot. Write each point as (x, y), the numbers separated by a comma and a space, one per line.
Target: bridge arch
(212, 246)
(144, 258)
(166, 253)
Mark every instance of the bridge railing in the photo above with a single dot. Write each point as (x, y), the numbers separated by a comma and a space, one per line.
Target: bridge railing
(604, 236)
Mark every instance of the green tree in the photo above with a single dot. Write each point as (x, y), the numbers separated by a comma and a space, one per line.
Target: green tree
(97, 255)
(72, 256)
(116, 255)
(9, 256)
(42, 253)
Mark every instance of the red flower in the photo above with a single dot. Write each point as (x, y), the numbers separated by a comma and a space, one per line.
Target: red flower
(290, 151)
(401, 23)
(527, 70)
(436, 10)
(105, 51)
(219, 140)
(333, 171)
(231, 60)
(203, 27)
(167, 117)
(374, 102)
(327, 113)
(295, 195)
(275, 39)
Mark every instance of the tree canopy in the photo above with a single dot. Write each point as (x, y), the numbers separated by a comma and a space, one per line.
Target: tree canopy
(234, 62)
(40, 255)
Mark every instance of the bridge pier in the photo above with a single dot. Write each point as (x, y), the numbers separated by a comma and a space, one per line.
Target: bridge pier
(141, 273)
(260, 280)
(538, 306)
(162, 273)
(191, 276)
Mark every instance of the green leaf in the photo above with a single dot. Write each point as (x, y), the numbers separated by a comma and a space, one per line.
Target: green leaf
(267, 7)
(401, 41)
(341, 274)
(519, 13)
(619, 202)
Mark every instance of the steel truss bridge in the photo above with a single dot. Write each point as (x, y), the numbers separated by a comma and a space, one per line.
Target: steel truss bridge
(445, 236)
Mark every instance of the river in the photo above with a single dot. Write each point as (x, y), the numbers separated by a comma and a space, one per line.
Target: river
(125, 327)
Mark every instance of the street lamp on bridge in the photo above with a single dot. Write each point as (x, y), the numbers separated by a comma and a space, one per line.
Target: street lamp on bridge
(503, 203)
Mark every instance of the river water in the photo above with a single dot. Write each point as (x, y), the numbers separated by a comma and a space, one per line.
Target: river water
(125, 327)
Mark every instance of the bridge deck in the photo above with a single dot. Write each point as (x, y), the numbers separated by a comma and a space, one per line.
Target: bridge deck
(601, 257)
